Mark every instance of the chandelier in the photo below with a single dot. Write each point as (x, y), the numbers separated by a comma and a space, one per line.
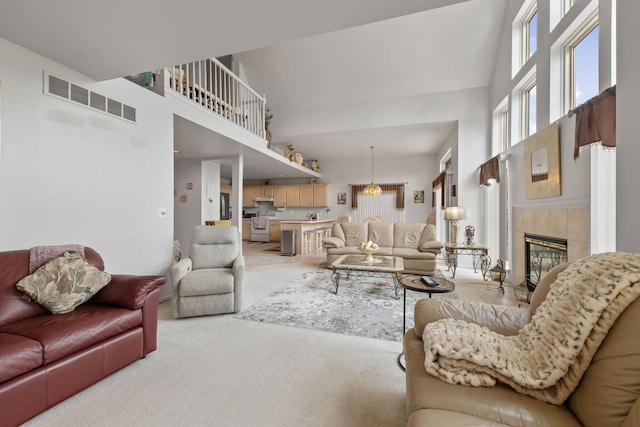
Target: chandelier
(372, 189)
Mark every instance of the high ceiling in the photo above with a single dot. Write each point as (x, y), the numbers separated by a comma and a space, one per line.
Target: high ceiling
(302, 54)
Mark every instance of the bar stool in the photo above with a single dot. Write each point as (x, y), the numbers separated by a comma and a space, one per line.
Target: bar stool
(313, 241)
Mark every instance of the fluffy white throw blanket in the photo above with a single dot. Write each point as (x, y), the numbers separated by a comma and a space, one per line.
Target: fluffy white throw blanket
(548, 357)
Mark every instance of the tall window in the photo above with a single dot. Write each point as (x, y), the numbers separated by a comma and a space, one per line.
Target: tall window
(505, 129)
(530, 32)
(583, 62)
(524, 35)
(529, 109)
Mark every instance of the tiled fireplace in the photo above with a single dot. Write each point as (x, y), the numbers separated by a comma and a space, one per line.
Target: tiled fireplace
(563, 225)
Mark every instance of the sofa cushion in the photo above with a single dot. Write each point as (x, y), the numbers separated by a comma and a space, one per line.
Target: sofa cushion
(63, 283)
(64, 334)
(209, 281)
(355, 233)
(407, 235)
(498, 404)
(333, 242)
(18, 355)
(409, 253)
(381, 233)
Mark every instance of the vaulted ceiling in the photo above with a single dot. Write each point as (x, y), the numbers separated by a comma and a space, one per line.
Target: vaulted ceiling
(302, 54)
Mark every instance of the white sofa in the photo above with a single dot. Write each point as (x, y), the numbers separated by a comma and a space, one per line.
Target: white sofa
(415, 242)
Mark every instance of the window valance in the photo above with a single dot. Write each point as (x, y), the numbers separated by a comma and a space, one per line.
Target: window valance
(392, 188)
(438, 183)
(596, 121)
(490, 169)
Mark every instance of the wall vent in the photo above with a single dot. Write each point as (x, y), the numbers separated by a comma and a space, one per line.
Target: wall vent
(78, 95)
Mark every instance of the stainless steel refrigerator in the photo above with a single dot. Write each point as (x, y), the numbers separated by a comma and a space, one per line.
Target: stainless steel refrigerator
(224, 206)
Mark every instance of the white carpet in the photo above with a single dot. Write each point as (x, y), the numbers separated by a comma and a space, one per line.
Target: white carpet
(220, 371)
(364, 306)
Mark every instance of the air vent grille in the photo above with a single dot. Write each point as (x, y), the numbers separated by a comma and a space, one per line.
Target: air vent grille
(77, 94)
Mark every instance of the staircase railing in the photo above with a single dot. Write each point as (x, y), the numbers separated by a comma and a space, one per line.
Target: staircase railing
(212, 85)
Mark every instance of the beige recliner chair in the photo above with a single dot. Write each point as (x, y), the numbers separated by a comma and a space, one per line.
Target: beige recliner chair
(210, 281)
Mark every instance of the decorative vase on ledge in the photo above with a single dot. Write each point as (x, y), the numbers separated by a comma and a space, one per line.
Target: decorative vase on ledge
(298, 158)
(267, 134)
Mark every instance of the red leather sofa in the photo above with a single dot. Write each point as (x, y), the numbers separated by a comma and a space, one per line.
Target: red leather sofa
(46, 358)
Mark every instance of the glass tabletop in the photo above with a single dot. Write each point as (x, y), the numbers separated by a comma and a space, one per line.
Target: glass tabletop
(380, 263)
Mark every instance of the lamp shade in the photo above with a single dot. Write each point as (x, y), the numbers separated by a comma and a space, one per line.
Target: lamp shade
(454, 213)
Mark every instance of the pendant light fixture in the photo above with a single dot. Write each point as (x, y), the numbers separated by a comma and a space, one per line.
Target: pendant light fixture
(372, 189)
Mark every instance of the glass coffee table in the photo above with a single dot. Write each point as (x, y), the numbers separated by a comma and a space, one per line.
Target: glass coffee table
(414, 283)
(382, 266)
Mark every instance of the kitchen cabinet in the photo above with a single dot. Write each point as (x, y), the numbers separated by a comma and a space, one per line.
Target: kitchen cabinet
(246, 229)
(306, 195)
(264, 191)
(249, 196)
(314, 195)
(321, 195)
(279, 196)
(293, 195)
(274, 230)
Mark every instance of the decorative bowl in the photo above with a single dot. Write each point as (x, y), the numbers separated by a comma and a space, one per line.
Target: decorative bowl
(368, 254)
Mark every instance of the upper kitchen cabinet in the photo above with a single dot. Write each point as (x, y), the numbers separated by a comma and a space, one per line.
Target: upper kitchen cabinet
(293, 195)
(314, 195)
(249, 196)
(280, 196)
(321, 195)
(264, 191)
(306, 195)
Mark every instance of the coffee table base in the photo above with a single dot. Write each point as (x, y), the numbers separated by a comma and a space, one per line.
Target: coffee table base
(338, 273)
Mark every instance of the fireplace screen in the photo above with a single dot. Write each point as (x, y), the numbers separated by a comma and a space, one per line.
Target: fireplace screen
(542, 254)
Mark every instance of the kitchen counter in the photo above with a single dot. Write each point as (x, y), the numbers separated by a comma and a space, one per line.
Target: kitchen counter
(303, 225)
(306, 221)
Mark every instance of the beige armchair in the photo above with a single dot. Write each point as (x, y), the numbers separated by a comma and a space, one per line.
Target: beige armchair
(607, 395)
(210, 281)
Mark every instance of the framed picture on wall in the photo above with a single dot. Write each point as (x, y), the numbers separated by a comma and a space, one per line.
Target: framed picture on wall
(418, 196)
(542, 163)
(342, 198)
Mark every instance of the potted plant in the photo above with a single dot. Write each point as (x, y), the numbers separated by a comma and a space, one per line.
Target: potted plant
(267, 118)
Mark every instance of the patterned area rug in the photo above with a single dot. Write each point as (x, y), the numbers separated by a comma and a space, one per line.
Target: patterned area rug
(364, 306)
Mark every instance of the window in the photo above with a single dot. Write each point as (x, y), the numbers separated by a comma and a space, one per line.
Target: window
(529, 109)
(524, 35)
(501, 128)
(530, 32)
(505, 133)
(557, 10)
(583, 61)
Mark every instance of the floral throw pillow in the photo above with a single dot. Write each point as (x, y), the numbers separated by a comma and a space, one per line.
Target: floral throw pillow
(63, 283)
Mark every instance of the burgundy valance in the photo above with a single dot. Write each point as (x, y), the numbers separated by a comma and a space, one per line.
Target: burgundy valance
(438, 183)
(596, 121)
(489, 170)
(390, 188)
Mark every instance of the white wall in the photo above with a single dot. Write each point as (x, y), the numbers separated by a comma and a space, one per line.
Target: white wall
(414, 171)
(187, 214)
(468, 107)
(69, 174)
(628, 148)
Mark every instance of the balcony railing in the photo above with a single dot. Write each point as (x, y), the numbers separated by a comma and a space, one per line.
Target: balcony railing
(212, 85)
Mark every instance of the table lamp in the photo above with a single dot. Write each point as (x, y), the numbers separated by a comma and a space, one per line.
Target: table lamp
(453, 214)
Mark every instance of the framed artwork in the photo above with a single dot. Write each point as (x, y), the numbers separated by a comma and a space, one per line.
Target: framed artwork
(342, 198)
(542, 163)
(418, 196)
